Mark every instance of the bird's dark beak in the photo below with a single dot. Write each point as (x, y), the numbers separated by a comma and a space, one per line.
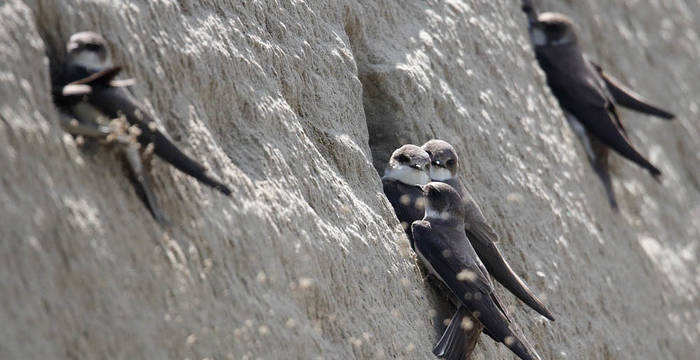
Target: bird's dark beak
(530, 11)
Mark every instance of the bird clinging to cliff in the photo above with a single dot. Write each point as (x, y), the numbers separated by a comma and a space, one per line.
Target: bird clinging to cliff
(442, 245)
(406, 173)
(587, 95)
(90, 99)
(445, 168)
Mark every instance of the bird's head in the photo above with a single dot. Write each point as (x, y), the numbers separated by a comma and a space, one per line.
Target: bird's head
(409, 164)
(444, 162)
(88, 49)
(552, 29)
(442, 202)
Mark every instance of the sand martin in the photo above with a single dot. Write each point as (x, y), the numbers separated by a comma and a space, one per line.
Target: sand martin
(587, 94)
(445, 168)
(442, 245)
(90, 98)
(406, 173)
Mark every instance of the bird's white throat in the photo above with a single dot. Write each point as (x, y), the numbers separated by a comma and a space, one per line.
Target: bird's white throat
(440, 173)
(90, 59)
(407, 175)
(431, 213)
(538, 37)
(563, 41)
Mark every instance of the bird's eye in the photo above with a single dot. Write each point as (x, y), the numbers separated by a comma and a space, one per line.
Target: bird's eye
(555, 28)
(93, 47)
(402, 158)
(450, 162)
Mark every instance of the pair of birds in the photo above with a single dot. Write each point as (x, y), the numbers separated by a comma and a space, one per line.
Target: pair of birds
(452, 238)
(94, 105)
(587, 94)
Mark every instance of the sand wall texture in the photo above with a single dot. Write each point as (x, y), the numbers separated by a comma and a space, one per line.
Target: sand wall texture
(297, 104)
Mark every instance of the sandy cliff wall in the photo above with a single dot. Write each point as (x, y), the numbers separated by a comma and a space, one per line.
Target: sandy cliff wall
(296, 103)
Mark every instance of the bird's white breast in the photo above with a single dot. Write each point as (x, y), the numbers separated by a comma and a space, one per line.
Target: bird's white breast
(440, 174)
(580, 131)
(89, 59)
(538, 37)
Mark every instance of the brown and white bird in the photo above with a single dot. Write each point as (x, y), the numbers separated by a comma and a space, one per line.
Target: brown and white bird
(442, 245)
(445, 167)
(89, 97)
(406, 173)
(587, 95)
